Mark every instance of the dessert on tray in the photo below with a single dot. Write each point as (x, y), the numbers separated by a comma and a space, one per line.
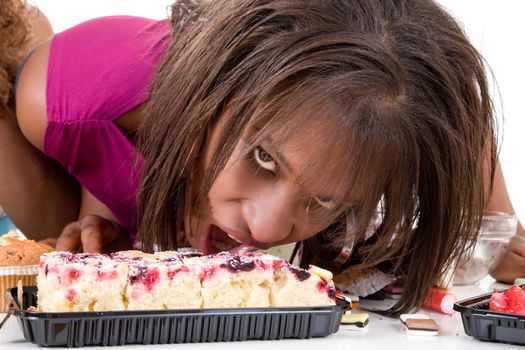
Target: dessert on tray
(81, 282)
(160, 281)
(511, 301)
(133, 280)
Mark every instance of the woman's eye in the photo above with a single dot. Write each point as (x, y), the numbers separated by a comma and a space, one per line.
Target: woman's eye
(264, 160)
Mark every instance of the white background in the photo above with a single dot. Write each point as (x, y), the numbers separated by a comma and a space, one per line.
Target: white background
(496, 28)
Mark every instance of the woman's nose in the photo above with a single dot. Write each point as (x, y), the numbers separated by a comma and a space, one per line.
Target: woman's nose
(270, 215)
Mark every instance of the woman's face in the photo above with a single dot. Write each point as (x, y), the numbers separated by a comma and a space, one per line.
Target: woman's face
(257, 199)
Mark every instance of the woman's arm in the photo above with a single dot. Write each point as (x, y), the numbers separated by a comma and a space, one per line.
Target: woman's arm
(42, 198)
(38, 194)
(512, 264)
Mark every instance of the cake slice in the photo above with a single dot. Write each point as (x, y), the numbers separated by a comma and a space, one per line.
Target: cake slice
(81, 282)
(254, 279)
(294, 286)
(236, 280)
(167, 280)
(184, 275)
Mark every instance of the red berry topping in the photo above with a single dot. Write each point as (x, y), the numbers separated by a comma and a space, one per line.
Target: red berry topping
(73, 274)
(147, 276)
(71, 294)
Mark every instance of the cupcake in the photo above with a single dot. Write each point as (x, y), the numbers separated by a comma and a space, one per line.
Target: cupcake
(19, 260)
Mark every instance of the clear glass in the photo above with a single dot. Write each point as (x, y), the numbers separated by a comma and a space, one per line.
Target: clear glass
(497, 229)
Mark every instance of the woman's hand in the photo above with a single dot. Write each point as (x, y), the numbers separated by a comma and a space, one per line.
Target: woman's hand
(512, 263)
(93, 234)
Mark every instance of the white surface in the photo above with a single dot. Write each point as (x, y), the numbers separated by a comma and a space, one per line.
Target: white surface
(382, 333)
(496, 28)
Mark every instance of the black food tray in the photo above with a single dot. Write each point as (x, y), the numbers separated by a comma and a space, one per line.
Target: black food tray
(75, 329)
(479, 322)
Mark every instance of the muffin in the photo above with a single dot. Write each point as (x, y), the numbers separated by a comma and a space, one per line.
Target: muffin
(18, 261)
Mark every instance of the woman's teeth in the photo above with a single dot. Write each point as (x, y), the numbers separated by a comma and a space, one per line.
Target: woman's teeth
(235, 239)
(221, 245)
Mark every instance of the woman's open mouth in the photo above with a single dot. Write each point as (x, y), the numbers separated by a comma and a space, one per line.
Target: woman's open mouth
(216, 240)
(222, 240)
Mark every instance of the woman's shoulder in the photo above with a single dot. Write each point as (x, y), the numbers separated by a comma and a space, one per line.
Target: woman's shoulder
(31, 97)
(97, 70)
(112, 41)
(116, 30)
(106, 63)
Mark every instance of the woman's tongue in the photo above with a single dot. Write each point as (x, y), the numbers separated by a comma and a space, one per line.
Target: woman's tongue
(220, 239)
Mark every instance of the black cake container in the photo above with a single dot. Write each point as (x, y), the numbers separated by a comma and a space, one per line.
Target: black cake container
(74, 329)
(479, 322)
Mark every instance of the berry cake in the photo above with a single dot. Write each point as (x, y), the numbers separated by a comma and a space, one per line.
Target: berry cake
(133, 280)
(161, 281)
(81, 282)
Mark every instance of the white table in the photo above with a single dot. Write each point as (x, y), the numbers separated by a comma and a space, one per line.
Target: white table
(382, 333)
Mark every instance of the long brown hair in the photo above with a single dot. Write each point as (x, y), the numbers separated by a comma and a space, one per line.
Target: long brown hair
(395, 82)
(14, 35)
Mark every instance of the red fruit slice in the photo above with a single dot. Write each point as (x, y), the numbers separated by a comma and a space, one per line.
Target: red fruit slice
(498, 302)
(511, 301)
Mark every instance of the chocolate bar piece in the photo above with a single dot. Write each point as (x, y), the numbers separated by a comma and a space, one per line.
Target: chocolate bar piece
(419, 324)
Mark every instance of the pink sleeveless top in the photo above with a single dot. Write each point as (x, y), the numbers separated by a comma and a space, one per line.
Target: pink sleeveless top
(98, 71)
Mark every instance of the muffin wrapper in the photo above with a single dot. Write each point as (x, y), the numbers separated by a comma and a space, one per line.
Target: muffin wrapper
(9, 277)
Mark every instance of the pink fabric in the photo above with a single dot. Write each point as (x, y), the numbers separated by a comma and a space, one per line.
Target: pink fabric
(98, 71)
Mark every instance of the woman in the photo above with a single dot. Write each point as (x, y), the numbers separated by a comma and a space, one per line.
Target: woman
(261, 123)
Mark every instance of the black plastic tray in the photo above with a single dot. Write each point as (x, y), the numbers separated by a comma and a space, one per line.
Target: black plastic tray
(75, 329)
(479, 322)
